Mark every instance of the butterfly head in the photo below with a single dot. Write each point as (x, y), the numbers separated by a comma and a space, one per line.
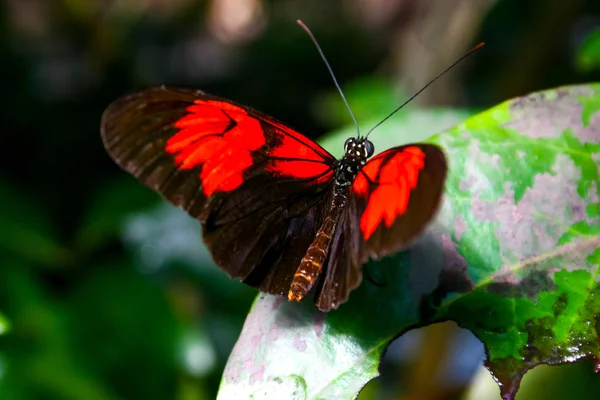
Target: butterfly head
(359, 149)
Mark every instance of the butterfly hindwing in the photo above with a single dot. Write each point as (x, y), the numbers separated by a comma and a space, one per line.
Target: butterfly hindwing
(399, 191)
(343, 270)
(258, 187)
(390, 202)
(264, 246)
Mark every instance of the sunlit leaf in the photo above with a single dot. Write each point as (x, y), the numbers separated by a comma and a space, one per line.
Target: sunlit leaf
(369, 97)
(514, 256)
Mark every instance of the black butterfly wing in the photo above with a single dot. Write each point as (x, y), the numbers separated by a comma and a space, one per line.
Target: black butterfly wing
(259, 188)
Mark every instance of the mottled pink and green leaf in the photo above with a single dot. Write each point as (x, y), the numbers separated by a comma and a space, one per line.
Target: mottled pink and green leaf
(514, 256)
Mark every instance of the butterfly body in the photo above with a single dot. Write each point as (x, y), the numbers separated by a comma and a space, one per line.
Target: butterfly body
(277, 210)
(357, 152)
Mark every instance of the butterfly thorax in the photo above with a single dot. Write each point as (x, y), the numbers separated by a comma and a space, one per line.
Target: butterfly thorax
(311, 265)
(357, 151)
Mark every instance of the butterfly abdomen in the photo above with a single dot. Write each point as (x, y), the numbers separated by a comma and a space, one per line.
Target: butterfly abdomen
(311, 264)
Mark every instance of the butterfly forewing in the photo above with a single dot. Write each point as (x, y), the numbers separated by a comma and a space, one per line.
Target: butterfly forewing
(258, 187)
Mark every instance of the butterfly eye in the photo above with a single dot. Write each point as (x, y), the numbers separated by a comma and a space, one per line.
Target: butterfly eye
(369, 147)
(349, 141)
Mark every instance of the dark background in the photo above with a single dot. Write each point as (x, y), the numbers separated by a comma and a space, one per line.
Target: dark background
(107, 294)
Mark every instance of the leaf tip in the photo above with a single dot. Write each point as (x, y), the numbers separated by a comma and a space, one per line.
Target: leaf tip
(597, 365)
(508, 392)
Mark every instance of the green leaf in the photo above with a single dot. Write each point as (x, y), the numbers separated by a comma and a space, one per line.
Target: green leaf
(39, 352)
(4, 324)
(139, 329)
(112, 336)
(513, 255)
(370, 98)
(588, 54)
(109, 206)
(26, 230)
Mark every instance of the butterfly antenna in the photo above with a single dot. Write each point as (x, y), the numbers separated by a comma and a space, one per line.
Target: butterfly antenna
(480, 45)
(331, 72)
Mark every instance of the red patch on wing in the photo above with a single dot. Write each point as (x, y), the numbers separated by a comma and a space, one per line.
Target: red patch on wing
(217, 137)
(393, 175)
(298, 157)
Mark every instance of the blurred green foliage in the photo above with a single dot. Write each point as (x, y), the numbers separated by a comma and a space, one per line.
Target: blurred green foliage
(4, 324)
(588, 55)
(98, 310)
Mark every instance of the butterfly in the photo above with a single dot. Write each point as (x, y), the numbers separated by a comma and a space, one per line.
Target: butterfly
(278, 211)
